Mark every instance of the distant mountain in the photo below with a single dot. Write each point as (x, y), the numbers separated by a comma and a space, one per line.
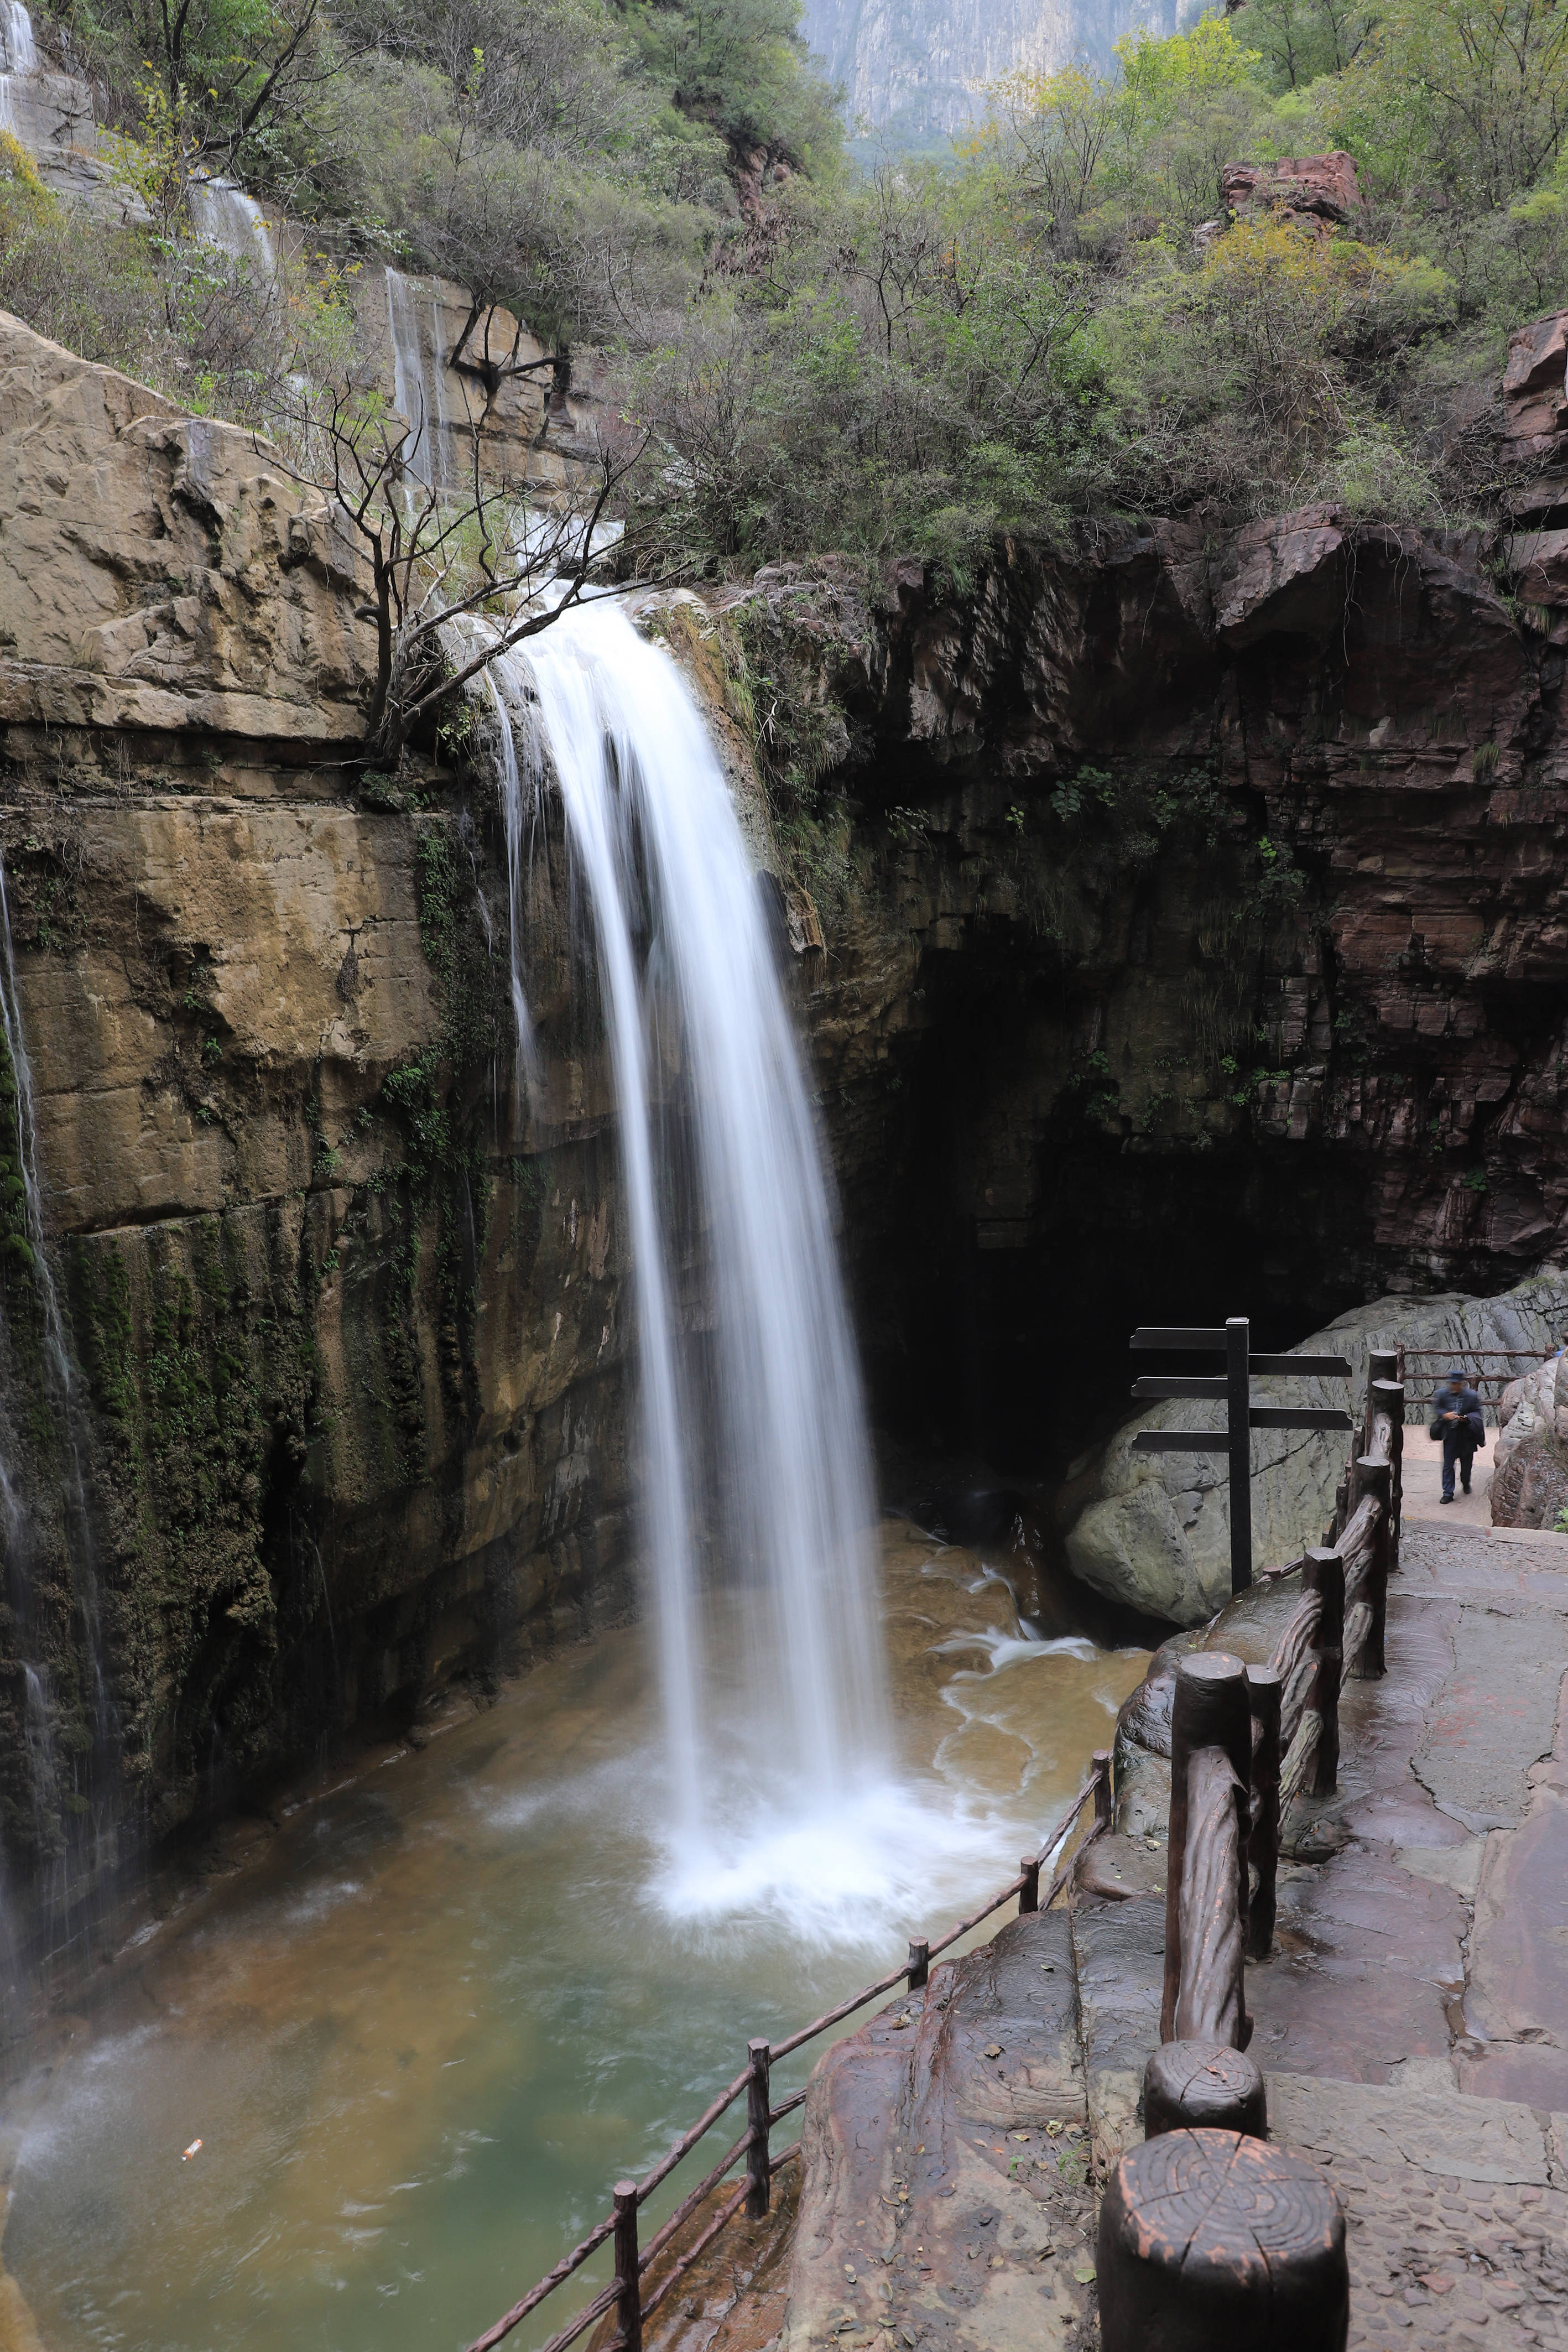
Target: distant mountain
(916, 71)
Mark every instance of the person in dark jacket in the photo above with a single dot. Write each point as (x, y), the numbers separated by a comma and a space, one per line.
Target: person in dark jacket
(1456, 1420)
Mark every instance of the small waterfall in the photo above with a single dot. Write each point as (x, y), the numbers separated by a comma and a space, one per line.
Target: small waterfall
(21, 51)
(67, 1402)
(234, 222)
(757, 1454)
(528, 1063)
(419, 389)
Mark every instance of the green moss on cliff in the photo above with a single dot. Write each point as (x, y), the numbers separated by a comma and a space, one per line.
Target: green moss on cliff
(196, 1341)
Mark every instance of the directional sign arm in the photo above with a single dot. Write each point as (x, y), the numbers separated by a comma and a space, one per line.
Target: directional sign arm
(1152, 1335)
(1200, 1384)
(1182, 1441)
(1290, 1416)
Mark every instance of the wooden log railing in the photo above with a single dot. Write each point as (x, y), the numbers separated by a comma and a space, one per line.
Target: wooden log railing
(1246, 1742)
(624, 2295)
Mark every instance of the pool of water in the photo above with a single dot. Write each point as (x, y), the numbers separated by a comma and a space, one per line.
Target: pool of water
(465, 1988)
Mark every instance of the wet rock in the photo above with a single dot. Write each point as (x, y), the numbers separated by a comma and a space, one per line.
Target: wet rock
(1158, 1532)
(1529, 1458)
(956, 2180)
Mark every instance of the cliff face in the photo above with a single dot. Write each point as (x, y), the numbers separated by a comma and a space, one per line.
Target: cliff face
(1201, 948)
(1180, 928)
(346, 1405)
(918, 73)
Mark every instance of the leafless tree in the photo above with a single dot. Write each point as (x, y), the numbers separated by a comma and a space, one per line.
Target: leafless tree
(491, 552)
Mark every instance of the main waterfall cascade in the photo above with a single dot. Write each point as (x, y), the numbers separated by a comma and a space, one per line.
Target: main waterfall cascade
(753, 1433)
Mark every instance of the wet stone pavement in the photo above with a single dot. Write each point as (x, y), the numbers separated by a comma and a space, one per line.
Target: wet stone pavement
(1412, 2024)
(1412, 2021)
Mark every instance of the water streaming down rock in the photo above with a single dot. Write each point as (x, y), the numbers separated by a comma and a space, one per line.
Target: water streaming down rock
(511, 784)
(232, 221)
(21, 51)
(755, 1443)
(418, 379)
(18, 54)
(90, 1820)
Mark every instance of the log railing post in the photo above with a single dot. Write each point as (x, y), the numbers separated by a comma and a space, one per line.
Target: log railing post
(1102, 1762)
(759, 2099)
(1168, 2277)
(1380, 1367)
(1391, 1401)
(919, 1962)
(629, 2302)
(1211, 1709)
(1028, 1892)
(1325, 1573)
(1263, 1694)
(1376, 1480)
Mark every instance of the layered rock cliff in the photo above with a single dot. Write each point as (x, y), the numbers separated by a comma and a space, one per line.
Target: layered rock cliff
(346, 1407)
(1197, 942)
(1180, 928)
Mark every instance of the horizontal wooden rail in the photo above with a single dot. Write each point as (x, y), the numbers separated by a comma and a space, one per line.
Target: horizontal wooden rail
(632, 2262)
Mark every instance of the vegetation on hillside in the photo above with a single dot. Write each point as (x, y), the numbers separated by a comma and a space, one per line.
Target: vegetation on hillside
(1059, 325)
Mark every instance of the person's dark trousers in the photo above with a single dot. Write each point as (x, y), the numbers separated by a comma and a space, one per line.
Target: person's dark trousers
(1459, 1450)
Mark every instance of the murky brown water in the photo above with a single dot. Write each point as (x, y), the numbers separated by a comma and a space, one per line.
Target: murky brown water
(458, 1994)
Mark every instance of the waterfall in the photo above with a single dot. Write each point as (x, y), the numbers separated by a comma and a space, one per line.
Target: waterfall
(526, 1057)
(20, 52)
(232, 221)
(57, 1346)
(755, 1448)
(419, 392)
(16, 38)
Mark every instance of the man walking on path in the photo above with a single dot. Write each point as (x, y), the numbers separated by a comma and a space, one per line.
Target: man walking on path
(1456, 1420)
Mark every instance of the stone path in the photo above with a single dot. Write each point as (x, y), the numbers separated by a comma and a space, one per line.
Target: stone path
(1412, 2024)
(1413, 2019)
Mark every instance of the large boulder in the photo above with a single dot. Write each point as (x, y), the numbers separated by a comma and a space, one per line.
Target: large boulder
(1529, 1460)
(1156, 1532)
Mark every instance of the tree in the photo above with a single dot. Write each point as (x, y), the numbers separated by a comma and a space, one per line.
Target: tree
(492, 555)
(1465, 96)
(211, 75)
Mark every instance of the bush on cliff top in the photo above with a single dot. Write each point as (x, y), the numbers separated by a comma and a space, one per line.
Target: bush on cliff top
(914, 362)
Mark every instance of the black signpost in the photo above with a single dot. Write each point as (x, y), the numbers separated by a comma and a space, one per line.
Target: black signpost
(1234, 1386)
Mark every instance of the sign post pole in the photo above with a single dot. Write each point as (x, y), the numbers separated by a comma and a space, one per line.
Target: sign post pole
(1239, 1404)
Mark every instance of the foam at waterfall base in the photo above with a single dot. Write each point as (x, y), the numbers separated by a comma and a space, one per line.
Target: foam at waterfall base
(883, 1860)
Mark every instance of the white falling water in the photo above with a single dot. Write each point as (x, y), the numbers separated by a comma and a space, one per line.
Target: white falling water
(16, 38)
(766, 1455)
(528, 1063)
(20, 52)
(418, 391)
(56, 1337)
(234, 222)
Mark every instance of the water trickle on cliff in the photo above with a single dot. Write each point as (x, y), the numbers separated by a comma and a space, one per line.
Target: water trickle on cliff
(66, 1404)
(234, 222)
(419, 384)
(757, 1496)
(16, 38)
(512, 820)
(18, 54)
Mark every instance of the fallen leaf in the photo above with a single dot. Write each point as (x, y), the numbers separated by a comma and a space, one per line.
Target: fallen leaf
(1020, 2135)
(1085, 2273)
(998, 2262)
(993, 2049)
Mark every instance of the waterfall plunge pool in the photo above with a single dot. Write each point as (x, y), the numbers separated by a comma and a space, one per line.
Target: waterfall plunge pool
(421, 2029)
